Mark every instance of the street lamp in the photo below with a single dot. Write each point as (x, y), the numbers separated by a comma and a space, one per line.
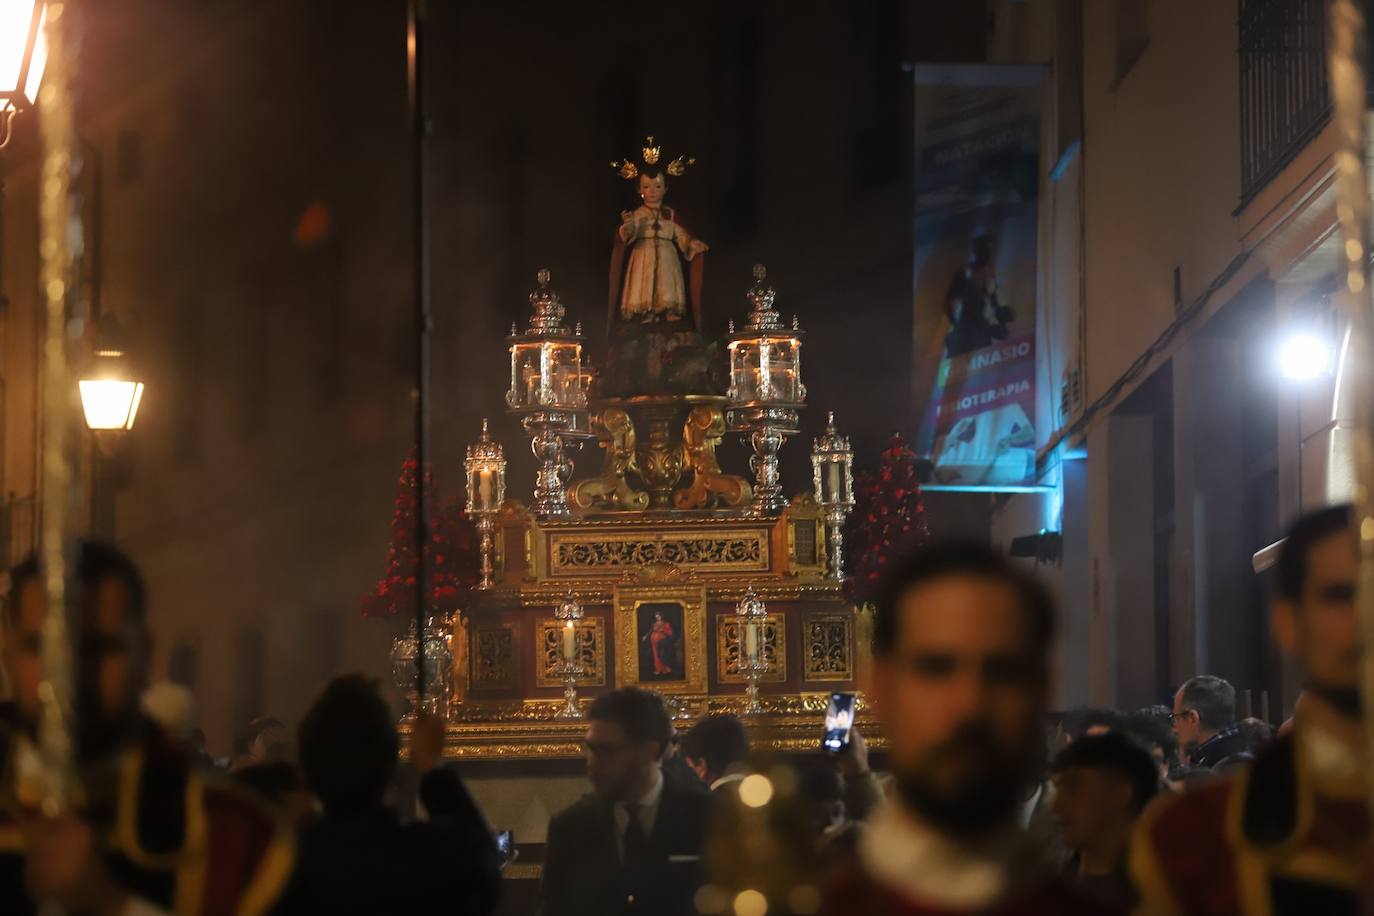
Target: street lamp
(1305, 355)
(110, 392)
(23, 55)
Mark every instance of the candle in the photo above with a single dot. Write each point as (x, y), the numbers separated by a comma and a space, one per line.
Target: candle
(751, 642)
(833, 478)
(569, 641)
(484, 489)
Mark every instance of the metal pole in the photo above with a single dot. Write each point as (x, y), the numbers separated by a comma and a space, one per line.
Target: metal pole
(1346, 62)
(56, 217)
(419, 129)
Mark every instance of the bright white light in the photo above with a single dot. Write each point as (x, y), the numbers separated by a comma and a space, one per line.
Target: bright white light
(110, 403)
(16, 16)
(1305, 356)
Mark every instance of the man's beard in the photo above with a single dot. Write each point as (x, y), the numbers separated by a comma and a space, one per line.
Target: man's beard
(983, 796)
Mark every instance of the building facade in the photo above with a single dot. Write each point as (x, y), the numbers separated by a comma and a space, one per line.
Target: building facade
(1188, 232)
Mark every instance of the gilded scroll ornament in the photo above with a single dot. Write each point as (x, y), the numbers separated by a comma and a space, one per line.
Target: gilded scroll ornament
(703, 431)
(612, 490)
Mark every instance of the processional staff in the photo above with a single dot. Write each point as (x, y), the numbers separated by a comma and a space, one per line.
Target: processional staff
(415, 19)
(59, 225)
(1346, 61)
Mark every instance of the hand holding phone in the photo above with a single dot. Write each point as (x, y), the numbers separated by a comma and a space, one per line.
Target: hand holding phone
(839, 721)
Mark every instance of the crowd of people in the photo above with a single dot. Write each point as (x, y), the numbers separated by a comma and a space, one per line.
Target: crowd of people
(987, 803)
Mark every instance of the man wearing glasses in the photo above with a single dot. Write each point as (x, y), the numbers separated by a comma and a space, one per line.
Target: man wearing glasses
(634, 844)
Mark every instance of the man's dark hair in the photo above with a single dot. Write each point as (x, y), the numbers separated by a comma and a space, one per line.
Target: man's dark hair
(1214, 699)
(1116, 753)
(348, 745)
(94, 563)
(1151, 726)
(720, 740)
(244, 742)
(639, 712)
(1257, 733)
(956, 558)
(1076, 721)
(1290, 574)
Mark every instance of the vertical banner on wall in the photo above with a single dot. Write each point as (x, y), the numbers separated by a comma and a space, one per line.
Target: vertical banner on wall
(977, 181)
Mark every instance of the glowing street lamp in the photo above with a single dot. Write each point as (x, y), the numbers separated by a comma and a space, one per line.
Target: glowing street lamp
(23, 55)
(110, 392)
(1305, 355)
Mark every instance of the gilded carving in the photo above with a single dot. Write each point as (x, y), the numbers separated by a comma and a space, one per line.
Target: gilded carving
(591, 650)
(727, 649)
(725, 551)
(492, 654)
(828, 646)
(703, 431)
(616, 432)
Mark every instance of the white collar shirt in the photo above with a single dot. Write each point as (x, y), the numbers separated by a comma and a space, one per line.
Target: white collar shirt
(646, 807)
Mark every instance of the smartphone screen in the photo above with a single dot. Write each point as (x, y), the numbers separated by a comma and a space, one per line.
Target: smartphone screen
(505, 844)
(839, 719)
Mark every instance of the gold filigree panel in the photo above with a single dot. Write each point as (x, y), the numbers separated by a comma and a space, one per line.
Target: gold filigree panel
(591, 649)
(608, 552)
(727, 649)
(491, 650)
(828, 647)
(660, 637)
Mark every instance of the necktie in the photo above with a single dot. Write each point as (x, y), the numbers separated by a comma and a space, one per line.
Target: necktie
(635, 840)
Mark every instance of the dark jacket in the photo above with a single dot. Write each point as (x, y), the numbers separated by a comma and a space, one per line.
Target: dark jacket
(368, 862)
(583, 875)
(1229, 746)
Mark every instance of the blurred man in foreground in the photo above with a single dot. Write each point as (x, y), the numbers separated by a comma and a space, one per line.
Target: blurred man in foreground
(1290, 832)
(960, 644)
(150, 829)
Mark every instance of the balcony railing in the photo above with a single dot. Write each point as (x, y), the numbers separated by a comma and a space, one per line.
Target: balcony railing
(1284, 100)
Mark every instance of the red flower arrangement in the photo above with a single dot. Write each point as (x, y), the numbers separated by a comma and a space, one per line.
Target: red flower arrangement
(888, 521)
(453, 553)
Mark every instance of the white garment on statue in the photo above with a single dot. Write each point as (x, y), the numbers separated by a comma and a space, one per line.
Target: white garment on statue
(654, 288)
(930, 869)
(647, 810)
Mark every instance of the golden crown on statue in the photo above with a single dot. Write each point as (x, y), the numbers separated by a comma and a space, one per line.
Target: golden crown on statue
(651, 154)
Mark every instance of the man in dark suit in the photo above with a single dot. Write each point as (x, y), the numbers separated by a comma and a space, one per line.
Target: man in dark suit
(634, 844)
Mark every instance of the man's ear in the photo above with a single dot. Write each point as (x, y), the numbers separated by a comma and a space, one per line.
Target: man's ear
(698, 765)
(1283, 621)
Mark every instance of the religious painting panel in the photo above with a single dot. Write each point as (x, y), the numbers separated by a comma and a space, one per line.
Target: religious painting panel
(660, 637)
(828, 647)
(728, 649)
(591, 651)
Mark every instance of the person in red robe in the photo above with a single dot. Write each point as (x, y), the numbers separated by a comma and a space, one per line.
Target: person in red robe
(1290, 832)
(960, 676)
(150, 830)
(660, 637)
